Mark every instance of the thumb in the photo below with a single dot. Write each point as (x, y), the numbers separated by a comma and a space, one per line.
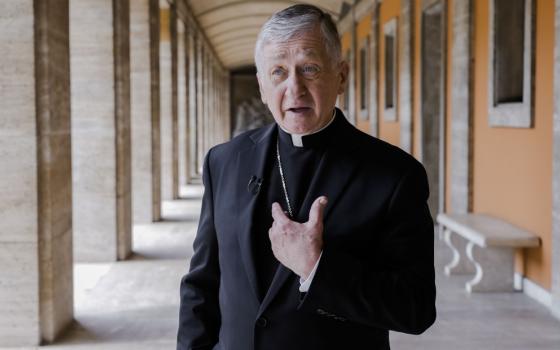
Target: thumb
(317, 210)
(278, 214)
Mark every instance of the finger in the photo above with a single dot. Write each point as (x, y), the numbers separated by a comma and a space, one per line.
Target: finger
(317, 210)
(278, 214)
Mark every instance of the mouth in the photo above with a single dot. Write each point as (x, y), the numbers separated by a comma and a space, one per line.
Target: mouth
(299, 110)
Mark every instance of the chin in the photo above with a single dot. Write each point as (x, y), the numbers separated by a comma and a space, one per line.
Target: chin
(300, 126)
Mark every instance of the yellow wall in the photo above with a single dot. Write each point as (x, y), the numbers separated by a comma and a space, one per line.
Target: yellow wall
(363, 31)
(513, 167)
(388, 131)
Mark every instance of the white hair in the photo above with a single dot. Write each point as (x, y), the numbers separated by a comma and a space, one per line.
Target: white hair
(297, 20)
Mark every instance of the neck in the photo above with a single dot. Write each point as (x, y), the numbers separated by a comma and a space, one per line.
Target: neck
(297, 139)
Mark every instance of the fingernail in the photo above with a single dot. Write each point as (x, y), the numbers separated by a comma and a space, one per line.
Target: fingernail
(323, 200)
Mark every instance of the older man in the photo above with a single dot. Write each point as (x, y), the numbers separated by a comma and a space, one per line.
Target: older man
(313, 235)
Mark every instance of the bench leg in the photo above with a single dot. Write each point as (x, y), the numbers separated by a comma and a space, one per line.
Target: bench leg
(458, 265)
(494, 269)
(441, 232)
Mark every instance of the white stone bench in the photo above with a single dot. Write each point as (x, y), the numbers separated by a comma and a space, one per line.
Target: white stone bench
(489, 244)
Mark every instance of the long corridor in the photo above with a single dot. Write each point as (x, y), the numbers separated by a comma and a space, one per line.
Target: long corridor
(133, 304)
(108, 109)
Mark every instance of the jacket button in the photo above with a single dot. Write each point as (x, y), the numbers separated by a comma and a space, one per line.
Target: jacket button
(262, 322)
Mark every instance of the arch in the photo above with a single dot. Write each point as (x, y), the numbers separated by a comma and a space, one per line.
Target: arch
(232, 26)
(204, 7)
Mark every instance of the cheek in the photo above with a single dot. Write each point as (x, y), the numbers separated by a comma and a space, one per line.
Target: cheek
(326, 93)
(276, 96)
(320, 95)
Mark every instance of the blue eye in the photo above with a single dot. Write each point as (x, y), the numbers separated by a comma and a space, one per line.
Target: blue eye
(277, 71)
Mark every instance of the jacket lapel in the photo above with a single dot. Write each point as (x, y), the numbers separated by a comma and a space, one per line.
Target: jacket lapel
(251, 163)
(335, 169)
(333, 174)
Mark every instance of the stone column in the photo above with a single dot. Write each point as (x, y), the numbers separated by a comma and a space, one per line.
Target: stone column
(189, 102)
(207, 101)
(556, 174)
(141, 119)
(200, 107)
(211, 101)
(156, 108)
(182, 93)
(36, 178)
(121, 23)
(374, 69)
(193, 104)
(461, 106)
(205, 95)
(101, 129)
(406, 59)
(174, 42)
(166, 98)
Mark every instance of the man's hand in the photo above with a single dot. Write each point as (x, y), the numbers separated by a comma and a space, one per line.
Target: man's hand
(298, 246)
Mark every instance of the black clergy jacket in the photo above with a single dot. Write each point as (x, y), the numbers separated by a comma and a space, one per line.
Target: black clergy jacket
(376, 272)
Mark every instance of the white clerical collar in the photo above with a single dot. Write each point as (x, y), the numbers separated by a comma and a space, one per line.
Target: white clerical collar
(297, 139)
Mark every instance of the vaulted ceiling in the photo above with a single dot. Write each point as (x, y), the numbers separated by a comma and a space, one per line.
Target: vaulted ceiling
(232, 26)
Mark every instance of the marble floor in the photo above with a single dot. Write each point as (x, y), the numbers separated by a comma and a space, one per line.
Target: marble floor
(133, 304)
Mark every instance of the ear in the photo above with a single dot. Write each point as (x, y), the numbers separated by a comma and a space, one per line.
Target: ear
(263, 99)
(343, 76)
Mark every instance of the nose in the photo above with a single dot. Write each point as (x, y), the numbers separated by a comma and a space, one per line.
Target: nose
(296, 85)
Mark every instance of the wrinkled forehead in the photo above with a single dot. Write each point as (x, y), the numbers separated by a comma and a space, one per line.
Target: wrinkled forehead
(307, 46)
(281, 54)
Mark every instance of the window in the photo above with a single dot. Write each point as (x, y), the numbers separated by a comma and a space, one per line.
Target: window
(510, 66)
(390, 34)
(508, 51)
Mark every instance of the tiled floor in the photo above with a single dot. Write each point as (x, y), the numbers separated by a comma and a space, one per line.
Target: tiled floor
(133, 304)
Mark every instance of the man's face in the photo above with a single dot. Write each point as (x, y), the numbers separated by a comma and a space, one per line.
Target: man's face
(300, 83)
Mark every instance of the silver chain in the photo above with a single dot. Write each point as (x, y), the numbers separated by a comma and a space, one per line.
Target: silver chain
(283, 180)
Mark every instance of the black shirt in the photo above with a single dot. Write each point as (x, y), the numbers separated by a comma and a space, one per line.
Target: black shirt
(300, 165)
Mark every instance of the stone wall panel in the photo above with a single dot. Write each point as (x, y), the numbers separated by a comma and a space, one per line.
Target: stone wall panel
(405, 59)
(461, 106)
(19, 275)
(100, 129)
(141, 119)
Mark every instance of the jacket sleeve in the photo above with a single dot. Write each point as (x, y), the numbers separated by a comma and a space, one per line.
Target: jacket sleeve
(394, 291)
(199, 313)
